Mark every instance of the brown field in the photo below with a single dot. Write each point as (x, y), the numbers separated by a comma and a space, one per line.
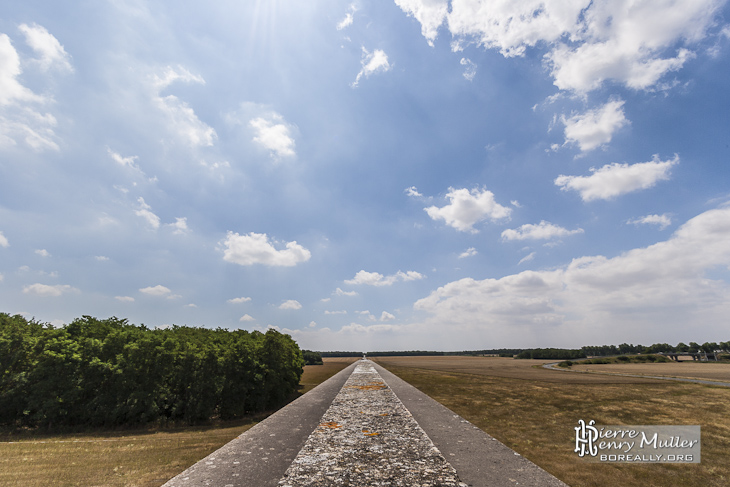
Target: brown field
(534, 411)
(685, 369)
(508, 368)
(144, 458)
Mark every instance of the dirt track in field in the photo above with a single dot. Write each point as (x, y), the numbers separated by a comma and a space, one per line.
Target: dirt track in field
(506, 367)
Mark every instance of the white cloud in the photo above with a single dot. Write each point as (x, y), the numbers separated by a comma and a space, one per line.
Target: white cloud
(145, 211)
(191, 305)
(616, 179)
(657, 291)
(340, 292)
(527, 258)
(20, 120)
(596, 127)
(124, 299)
(663, 221)
(372, 63)
(468, 208)
(430, 13)
(246, 317)
(239, 300)
(290, 304)
(4, 241)
(312, 324)
(47, 46)
(377, 279)
(11, 91)
(587, 42)
(128, 161)
(157, 290)
(49, 291)
(542, 231)
(385, 316)
(180, 226)
(273, 134)
(42, 252)
(101, 258)
(412, 191)
(470, 70)
(471, 251)
(255, 248)
(183, 120)
(328, 312)
(349, 18)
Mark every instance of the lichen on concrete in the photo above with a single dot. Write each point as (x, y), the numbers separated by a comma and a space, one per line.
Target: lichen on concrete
(368, 438)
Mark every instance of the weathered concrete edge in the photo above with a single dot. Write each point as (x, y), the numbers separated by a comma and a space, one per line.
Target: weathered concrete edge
(261, 455)
(479, 459)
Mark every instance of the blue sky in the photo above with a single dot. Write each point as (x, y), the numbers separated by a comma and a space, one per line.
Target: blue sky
(414, 174)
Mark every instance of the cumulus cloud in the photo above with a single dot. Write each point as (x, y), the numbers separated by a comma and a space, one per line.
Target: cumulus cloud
(642, 292)
(50, 50)
(471, 251)
(385, 316)
(183, 120)
(290, 304)
(587, 42)
(616, 179)
(662, 221)
(273, 134)
(45, 290)
(256, 248)
(180, 227)
(372, 63)
(466, 208)
(43, 252)
(342, 312)
(377, 279)
(21, 119)
(239, 300)
(413, 192)
(157, 290)
(542, 231)
(430, 14)
(596, 127)
(246, 317)
(340, 292)
(4, 241)
(145, 211)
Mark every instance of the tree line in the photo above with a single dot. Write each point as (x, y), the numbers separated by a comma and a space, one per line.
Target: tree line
(94, 372)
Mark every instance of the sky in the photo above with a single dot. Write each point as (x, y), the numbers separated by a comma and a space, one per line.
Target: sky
(371, 175)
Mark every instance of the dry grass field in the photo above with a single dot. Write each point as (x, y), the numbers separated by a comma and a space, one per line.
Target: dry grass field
(534, 411)
(685, 369)
(143, 458)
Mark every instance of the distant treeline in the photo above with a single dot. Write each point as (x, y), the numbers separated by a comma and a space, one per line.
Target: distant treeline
(109, 372)
(312, 358)
(554, 353)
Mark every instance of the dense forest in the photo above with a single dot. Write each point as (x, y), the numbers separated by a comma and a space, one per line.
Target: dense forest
(94, 372)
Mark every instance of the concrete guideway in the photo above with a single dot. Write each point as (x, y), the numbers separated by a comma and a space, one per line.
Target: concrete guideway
(363, 427)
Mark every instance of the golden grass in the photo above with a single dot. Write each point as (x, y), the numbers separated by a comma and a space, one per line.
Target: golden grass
(536, 417)
(141, 458)
(686, 369)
